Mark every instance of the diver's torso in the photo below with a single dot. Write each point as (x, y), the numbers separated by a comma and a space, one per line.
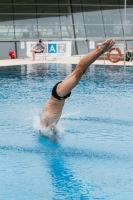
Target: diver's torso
(51, 112)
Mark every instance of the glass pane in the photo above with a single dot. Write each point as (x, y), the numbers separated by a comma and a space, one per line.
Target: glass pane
(25, 19)
(49, 31)
(6, 9)
(113, 31)
(110, 10)
(111, 19)
(93, 19)
(7, 32)
(94, 31)
(24, 9)
(66, 19)
(53, 20)
(129, 19)
(129, 10)
(76, 1)
(47, 9)
(6, 19)
(23, 2)
(129, 31)
(92, 9)
(78, 19)
(128, 2)
(5, 1)
(26, 31)
(64, 2)
(65, 9)
(76, 9)
(47, 1)
(109, 2)
(91, 2)
(67, 31)
(82, 47)
(80, 31)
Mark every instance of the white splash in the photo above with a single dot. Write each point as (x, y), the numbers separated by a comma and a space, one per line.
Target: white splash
(47, 132)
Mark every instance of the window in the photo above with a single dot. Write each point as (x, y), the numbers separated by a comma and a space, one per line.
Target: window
(49, 31)
(24, 9)
(94, 31)
(6, 9)
(24, 1)
(111, 19)
(76, 9)
(91, 9)
(26, 31)
(7, 32)
(129, 10)
(65, 9)
(66, 19)
(6, 19)
(47, 2)
(90, 2)
(78, 18)
(25, 19)
(113, 31)
(67, 31)
(109, 2)
(47, 9)
(92, 19)
(80, 31)
(48, 19)
(75, 1)
(129, 31)
(110, 10)
(64, 2)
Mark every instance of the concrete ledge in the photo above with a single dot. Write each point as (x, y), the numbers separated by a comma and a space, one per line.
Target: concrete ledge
(69, 60)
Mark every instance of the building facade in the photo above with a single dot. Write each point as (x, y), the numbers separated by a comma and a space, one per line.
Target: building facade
(79, 21)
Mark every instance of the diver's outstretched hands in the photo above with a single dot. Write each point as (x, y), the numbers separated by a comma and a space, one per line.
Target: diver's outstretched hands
(105, 46)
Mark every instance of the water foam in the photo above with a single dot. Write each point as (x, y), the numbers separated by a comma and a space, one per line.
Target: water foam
(46, 131)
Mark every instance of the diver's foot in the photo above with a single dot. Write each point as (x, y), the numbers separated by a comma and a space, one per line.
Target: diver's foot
(105, 46)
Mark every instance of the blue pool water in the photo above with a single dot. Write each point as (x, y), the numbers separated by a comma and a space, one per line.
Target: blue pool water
(93, 157)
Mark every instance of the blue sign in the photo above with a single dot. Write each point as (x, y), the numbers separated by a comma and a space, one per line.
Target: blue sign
(52, 48)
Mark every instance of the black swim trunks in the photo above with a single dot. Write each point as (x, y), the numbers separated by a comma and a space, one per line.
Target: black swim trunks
(54, 94)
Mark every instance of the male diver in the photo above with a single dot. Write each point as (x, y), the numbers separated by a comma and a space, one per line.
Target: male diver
(52, 109)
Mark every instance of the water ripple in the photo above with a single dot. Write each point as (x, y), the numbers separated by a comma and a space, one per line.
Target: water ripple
(68, 152)
(100, 120)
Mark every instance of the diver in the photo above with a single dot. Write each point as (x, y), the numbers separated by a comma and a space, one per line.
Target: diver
(52, 109)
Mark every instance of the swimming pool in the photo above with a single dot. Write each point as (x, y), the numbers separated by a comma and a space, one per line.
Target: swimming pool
(92, 159)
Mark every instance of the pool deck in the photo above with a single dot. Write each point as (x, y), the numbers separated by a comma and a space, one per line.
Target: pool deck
(69, 60)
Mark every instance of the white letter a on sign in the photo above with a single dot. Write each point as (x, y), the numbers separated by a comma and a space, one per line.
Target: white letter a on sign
(52, 48)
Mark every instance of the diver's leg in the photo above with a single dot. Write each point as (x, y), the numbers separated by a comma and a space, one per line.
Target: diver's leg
(71, 80)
